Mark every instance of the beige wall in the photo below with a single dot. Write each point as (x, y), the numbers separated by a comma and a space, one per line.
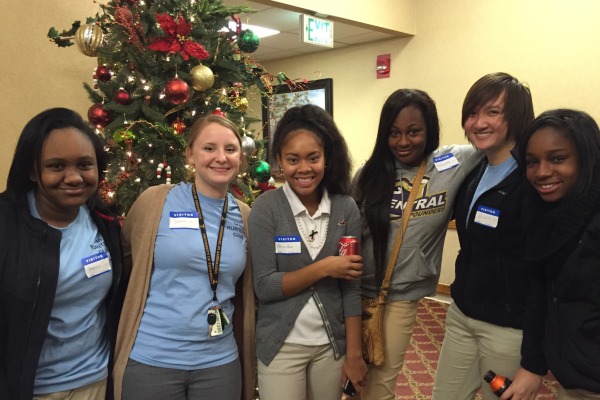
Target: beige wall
(34, 73)
(554, 45)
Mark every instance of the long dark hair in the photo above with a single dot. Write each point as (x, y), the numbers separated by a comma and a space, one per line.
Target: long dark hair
(28, 153)
(318, 121)
(376, 181)
(582, 130)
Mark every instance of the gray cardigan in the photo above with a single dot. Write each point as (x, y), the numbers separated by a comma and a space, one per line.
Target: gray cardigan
(272, 216)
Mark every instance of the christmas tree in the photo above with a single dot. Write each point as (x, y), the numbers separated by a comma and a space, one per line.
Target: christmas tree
(161, 65)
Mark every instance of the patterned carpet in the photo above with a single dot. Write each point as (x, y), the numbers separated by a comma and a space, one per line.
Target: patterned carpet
(416, 379)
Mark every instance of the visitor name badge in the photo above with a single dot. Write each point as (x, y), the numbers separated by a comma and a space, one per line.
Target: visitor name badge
(96, 265)
(183, 220)
(287, 244)
(487, 216)
(447, 161)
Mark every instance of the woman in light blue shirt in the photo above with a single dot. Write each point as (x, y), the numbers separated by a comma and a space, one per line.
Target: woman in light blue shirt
(187, 247)
(62, 281)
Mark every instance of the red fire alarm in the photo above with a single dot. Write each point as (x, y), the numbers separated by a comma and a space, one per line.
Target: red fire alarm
(383, 66)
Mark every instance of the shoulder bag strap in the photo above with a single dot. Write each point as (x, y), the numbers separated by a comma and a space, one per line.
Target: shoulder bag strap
(398, 242)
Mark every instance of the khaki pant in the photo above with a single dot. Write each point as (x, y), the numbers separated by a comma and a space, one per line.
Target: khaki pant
(398, 321)
(576, 394)
(301, 372)
(472, 347)
(93, 391)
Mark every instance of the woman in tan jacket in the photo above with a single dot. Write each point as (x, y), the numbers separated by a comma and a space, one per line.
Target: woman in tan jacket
(186, 245)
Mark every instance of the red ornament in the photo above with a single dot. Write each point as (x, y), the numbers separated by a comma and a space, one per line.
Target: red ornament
(234, 93)
(264, 186)
(237, 192)
(123, 15)
(219, 112)
(130, 22)
(99, 116)
(122, 97)
(179, 126)
(103, 73)
(177, 91)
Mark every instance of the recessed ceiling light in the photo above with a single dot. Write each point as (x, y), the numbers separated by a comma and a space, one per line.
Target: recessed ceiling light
(259, 31)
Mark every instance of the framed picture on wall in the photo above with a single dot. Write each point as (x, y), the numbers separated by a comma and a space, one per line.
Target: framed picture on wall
(318, 92)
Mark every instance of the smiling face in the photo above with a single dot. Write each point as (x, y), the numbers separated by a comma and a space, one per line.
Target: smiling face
(68, 175)
(216, 154)
(408, 136)
(302, 161)
(487, 130)
(552, 163)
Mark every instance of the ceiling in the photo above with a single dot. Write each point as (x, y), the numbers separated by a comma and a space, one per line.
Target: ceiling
(288, 43)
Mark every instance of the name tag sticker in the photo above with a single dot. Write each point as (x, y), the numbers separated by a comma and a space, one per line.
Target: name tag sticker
(184, 220)
(487, 216)
(287, 244)
(96, 265)
(445, 162)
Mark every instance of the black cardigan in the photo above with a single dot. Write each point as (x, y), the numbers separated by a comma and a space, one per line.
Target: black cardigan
(27, 290)
(492, 280)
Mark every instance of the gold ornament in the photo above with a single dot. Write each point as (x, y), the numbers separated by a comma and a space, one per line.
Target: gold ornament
(202, 77)
(241, 103)
(89, 39)
(266, 81)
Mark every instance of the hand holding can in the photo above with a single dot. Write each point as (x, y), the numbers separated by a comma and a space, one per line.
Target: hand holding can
(348, 246)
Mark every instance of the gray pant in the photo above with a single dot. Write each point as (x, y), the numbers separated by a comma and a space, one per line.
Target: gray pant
(145, 382)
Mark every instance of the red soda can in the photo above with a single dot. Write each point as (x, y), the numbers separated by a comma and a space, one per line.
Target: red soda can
(348, 246)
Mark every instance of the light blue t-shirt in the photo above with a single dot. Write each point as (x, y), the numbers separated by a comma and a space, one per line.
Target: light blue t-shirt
(493, 175)
(75, 352)
(174, 332)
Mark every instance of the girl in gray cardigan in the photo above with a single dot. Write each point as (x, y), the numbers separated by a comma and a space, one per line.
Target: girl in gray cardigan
(308, 333)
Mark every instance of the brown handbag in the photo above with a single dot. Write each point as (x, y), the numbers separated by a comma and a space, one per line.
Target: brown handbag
(373, 309)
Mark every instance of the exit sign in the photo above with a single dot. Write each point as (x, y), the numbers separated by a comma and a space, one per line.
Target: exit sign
(317, 31)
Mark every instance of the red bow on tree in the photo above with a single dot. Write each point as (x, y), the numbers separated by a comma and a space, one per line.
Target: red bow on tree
(177, 39)
(264, 186)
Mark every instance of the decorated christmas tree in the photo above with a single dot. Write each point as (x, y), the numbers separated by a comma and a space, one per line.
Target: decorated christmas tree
(161, 65)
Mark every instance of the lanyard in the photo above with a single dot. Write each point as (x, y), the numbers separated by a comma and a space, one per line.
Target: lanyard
(213, 270)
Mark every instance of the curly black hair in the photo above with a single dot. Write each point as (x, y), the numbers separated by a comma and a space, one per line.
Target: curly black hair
(318, 121)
